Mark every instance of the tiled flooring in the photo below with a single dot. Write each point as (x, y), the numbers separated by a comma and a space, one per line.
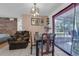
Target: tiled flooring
(26, 52)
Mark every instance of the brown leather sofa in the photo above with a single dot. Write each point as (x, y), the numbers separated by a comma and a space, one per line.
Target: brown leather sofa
(19, 40)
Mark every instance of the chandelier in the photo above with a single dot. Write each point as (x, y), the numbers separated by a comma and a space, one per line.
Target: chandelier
(35, 11)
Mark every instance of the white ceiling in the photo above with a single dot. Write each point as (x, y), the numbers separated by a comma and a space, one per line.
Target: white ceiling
(18, 9)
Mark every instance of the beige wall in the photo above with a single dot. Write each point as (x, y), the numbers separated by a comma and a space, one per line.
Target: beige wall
(32, 28)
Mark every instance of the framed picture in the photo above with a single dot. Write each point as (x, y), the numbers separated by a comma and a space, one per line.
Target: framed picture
(37, 21)
(34, 21)
(41, 22)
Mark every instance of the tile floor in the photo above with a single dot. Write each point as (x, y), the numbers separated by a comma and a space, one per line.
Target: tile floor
(26, 52)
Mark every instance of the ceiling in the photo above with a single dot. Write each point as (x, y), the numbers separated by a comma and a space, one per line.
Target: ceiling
(19, 9)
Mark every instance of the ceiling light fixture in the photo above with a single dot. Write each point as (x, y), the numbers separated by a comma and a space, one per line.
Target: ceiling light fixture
(35, 11)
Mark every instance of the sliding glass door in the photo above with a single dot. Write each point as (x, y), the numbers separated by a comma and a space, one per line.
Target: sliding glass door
(75, 46)
(66, 27)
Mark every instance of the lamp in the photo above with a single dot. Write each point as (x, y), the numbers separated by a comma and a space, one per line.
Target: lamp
(34, 11)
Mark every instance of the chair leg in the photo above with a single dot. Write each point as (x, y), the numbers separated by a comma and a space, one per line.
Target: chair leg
(37, 49)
